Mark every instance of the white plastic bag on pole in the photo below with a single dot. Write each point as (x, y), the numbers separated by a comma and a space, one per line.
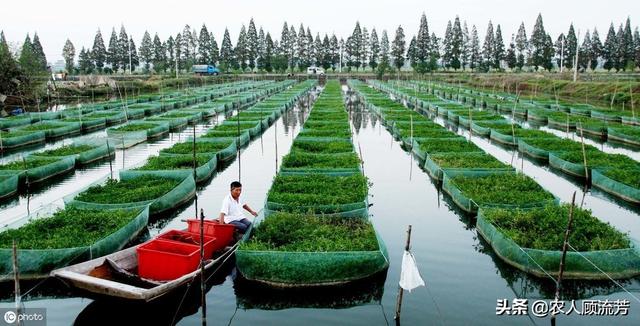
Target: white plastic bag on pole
(410, 275)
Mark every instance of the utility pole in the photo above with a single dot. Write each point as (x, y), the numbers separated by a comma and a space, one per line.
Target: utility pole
(575, 63)
(340, 57)
(562, 54)
(129, 47)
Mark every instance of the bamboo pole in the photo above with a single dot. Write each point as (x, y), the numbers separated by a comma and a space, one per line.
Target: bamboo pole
(203, 298)
(565, 246)
(110, 164)
(400, 290)
(16, 279)
(584, 156)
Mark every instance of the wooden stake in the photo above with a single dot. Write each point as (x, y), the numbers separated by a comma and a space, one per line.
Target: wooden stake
(584, 156)
(203, 298)
(565, 246)
(16, 278)
(361, 158)
(110, 164)
(239, 161)
(400, 290)
(615, 92)
(24, 164)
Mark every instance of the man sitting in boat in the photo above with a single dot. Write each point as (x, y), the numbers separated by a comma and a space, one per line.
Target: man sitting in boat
(231, 211)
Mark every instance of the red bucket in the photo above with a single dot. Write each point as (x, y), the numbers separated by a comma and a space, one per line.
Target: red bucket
(163, 260)
(191, 238)
(222, 232)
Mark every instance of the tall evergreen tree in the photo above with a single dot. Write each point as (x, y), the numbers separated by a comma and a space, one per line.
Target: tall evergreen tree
(99, 51)
(302, 49)
(423, 46)
(178, 56)
(596, 50)
(240, 51)
(538, 44)
(226, 51)
(29, 62)
(636, 46)
(488, 48)
(135, 61)
(498, 48)
(3, 44)
(159, 59)
(269, 53)
(9, 70)
(457, 44)
(364, 52)
(521, 46)
(398, 48)
(318, 51)
(385, 50)
(511, 58)
(327, 59)
(38, 51)
(285, 42)
(375, 50)
(293, 48)
(123, 48)
(466, 46)
(412, 54)
(68, 53)
(204, 46)
(571, 47)
(262, 49)
(335, 52)
(585, 52)
(310, 48)
(626, 44)
(447, 55)
(187, 48)
(252, 45)
(85, 63)
(112, 54)
(354, 47)
(347, 54)
(562, 56)
(434, 53)
(146, 51)
(620, 50)
(214, 53)
(610, 49)
(547, 53)
(170, 47)
(474, 51)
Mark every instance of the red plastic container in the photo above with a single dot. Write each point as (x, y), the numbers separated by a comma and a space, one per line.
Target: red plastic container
(222, 232)
(191, 238)
(163, 260)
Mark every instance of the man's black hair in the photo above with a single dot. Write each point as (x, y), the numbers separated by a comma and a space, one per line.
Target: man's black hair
(236, 184)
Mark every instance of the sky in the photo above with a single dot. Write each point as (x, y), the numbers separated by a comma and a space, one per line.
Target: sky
(78, 20)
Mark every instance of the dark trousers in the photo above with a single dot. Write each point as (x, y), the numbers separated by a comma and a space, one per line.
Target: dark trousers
(241, 225)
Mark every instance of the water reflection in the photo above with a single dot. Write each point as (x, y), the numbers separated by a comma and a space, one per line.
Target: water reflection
(252, 295)
(167, 310)
(522, 284)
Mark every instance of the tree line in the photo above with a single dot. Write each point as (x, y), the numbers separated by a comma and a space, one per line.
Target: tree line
(297, 48)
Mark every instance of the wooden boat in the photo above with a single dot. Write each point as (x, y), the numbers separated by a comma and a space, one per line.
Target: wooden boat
(115, 276)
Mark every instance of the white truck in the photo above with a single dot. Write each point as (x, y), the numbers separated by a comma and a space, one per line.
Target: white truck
(315, 71)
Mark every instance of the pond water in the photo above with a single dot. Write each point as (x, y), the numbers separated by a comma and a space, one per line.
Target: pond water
(464, 277)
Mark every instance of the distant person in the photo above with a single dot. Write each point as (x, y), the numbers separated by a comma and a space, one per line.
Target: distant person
(231, 210)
